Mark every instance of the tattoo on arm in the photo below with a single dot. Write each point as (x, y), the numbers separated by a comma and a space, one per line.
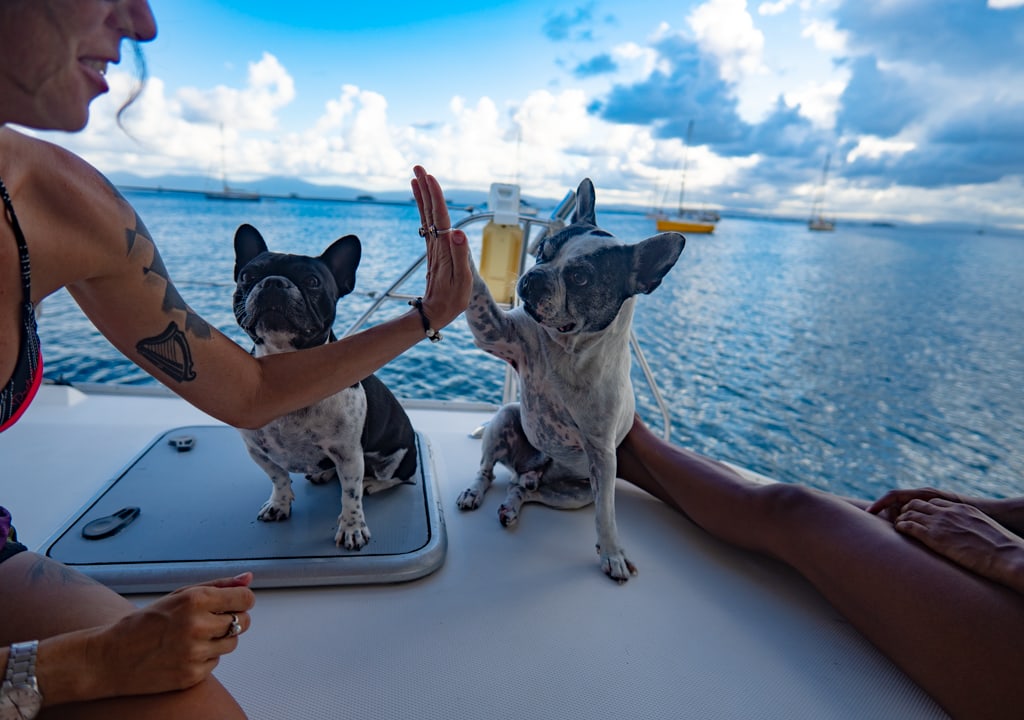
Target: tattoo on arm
(172, 300)
(45, 570)
(170, 352)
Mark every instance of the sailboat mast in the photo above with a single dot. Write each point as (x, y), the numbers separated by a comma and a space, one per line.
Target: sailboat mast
(223, 161)
(686, 158)
(819, 195)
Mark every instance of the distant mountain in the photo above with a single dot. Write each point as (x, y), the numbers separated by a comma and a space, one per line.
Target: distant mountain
(294, 187)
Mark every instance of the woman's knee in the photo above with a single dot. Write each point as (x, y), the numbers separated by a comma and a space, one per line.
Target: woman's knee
(787, 502)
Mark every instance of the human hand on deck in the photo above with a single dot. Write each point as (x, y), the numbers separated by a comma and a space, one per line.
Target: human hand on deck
(449, 276)
(891, 504)
(967, 536)
(175, 642)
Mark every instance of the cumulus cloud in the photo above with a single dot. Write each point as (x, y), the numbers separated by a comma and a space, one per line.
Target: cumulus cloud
(575, 24)
(944, 74)
(602, 64)
(725, 30)
(269, 89)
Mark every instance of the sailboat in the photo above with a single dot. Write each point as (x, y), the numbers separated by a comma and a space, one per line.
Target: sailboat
(227, 192)
(686, 221)
(817, 220)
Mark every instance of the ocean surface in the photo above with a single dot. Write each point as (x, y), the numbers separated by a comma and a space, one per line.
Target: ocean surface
(853, 361)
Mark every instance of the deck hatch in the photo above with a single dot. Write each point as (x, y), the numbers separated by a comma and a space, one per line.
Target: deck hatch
(197, 521)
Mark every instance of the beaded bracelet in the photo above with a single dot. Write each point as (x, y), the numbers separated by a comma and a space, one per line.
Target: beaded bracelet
(432, 335)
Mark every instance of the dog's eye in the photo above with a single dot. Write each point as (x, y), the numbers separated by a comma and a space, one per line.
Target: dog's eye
(312, 282)
(244, 277)
(579, 277)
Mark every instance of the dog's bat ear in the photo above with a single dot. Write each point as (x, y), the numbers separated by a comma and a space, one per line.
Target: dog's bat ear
(248, 244)
(342, 258)
(584, 213)
(654, 257)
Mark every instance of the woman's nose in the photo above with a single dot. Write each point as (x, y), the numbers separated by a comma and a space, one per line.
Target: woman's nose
(134, 19)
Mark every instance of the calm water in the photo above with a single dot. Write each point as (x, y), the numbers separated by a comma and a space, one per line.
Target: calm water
(853, 361)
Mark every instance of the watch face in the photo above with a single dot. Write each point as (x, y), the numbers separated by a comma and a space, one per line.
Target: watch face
(20, 702)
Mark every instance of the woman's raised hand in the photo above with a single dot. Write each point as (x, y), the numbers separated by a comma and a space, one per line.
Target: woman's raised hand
(449, 277)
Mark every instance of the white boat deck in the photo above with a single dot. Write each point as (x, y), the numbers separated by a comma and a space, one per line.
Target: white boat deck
(515, 624)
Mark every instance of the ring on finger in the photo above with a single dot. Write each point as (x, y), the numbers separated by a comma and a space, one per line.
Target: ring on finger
(433, 231)
(233, 629)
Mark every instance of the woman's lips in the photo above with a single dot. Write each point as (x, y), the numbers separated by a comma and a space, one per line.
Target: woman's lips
(96, 70)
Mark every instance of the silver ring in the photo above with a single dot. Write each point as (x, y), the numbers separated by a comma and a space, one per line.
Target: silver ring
(442, 232)
(233, 629)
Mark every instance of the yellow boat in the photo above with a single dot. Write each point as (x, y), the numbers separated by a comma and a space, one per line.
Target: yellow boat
(686, 221)
(695, 225)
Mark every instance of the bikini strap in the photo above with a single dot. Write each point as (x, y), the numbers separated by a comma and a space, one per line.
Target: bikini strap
(19, 236)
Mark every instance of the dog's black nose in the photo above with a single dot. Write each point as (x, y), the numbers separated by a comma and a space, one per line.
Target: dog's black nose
(274, 281)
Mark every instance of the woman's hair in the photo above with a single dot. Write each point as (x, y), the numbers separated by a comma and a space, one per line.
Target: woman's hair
(140, 82)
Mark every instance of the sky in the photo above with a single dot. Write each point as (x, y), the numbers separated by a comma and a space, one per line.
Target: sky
(918, 105)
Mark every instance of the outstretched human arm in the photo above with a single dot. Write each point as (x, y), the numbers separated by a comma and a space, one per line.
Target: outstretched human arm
(88, 238)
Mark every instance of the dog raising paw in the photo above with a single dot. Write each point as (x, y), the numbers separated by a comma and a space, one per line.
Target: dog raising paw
(569, 343)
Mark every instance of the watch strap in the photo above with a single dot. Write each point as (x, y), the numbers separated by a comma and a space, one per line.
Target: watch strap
(21, 671)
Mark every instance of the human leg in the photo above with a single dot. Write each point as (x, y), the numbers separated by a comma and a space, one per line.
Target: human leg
(958, 635)
(42, 598)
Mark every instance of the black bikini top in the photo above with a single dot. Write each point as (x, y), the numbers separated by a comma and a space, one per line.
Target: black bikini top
(28, 372)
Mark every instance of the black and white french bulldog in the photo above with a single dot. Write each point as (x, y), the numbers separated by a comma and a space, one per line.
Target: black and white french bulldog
(362, 434)
(569, 343)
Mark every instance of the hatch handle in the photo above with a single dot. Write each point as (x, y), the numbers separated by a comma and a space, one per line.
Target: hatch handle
(110, 524)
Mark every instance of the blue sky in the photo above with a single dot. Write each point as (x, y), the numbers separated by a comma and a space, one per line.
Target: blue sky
(919, 103)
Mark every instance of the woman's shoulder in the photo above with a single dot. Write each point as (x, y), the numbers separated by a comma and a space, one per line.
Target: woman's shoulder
(55, 181)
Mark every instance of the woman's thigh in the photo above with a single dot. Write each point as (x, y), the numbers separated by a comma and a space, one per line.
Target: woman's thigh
(41, 598)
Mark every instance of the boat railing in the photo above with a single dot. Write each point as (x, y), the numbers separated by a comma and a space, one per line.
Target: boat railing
(534, 230)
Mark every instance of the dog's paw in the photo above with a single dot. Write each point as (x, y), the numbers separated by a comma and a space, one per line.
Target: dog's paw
(616, 565)
(273, 512)
(352, 538)
(508, 516)
(372, 486)
(322, 477)
(530, 480)
(469, 499)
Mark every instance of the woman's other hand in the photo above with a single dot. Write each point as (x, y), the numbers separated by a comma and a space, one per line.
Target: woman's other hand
(891, 504)
(965, 535)
(176, 641)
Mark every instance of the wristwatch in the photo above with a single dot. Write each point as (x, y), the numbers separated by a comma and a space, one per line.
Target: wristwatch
(19, 695)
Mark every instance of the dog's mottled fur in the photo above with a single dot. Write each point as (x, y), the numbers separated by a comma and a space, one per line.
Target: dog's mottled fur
(361, 434)
(569, 343)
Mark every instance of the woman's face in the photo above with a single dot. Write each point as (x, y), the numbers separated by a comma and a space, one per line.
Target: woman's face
(54, 56)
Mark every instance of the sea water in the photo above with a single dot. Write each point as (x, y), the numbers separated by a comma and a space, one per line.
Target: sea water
(854, 361)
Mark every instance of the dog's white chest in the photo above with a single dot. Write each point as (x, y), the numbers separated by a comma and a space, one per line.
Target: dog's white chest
(299, 441)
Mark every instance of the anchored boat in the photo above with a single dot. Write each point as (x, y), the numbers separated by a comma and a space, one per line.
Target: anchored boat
(699, 222)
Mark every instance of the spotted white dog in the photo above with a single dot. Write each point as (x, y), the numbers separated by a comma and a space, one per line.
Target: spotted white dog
(360, 435)
(569, 343)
